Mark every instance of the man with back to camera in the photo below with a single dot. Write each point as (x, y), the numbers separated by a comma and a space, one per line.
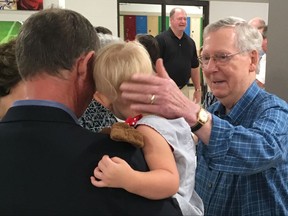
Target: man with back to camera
(179, 54)
(46, 157)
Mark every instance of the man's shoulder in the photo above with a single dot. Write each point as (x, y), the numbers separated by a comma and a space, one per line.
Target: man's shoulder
(166, 33)
(161, 35)
(189, 39)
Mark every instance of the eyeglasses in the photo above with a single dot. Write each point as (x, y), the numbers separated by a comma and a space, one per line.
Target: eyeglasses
(220, 58)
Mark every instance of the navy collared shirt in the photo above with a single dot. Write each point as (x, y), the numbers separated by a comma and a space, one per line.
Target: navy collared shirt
(46, 103)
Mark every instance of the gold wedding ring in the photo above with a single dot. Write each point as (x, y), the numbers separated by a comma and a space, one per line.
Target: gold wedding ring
(152, 99)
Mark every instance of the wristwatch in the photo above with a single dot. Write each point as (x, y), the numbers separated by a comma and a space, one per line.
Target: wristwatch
(202, 118)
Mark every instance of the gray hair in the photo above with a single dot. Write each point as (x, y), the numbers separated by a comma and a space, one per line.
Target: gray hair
(107, 39)
(247, 38)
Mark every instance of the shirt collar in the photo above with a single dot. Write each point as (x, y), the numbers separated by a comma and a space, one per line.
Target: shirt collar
(237, 110)
(46, 103)
(171, 33)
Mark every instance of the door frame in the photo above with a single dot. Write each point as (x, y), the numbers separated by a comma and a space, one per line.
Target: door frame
(163, 3)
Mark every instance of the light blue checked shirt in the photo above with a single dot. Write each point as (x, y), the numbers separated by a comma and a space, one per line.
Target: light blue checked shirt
(244, 168)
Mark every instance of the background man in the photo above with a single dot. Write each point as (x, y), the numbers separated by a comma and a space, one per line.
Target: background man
(179, 54)
(260, 24)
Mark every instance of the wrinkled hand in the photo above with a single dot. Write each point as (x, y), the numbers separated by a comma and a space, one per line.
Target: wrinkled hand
(111, 172)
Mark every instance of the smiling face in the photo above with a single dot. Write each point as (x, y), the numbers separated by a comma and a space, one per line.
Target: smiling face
(228, 81)
(178, 21)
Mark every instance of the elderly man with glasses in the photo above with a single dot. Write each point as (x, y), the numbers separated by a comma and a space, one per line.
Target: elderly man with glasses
(243, 140)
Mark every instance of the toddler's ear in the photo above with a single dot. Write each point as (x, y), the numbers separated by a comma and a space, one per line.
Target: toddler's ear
(102, 99)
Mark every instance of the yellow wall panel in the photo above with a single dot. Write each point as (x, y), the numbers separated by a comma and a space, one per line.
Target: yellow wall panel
(195, 26)
(152, 25)
(121, 27)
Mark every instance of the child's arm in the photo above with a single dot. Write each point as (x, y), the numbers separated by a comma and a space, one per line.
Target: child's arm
(160, 182)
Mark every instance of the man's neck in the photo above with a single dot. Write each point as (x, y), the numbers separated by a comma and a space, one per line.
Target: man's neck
(47, 87)
(178, 34)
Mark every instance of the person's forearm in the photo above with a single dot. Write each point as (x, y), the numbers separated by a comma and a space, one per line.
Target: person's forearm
(156, 184)
(195, 77)
(232, 143)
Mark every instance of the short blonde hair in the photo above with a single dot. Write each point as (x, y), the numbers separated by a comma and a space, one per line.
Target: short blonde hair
(116, 63)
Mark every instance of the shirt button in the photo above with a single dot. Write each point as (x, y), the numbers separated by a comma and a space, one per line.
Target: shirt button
(210, 185)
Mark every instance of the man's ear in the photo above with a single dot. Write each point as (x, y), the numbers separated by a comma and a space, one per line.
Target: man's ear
(254, 61)
(85, 63)
(102, 99)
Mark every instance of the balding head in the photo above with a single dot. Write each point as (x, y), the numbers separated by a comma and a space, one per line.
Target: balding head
(258, 23)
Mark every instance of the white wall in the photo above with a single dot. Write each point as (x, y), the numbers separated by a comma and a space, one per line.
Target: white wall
(6, 15)
(148, 9)
(99, 12)
(245, 10)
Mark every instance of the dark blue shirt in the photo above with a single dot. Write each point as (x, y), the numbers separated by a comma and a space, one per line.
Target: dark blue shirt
(244, 168)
